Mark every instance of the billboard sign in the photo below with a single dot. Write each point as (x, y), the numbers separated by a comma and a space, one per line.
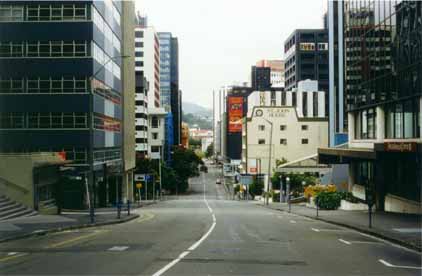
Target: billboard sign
(235, 114)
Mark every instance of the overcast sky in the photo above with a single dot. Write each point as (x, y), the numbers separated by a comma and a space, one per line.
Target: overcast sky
(220, 40)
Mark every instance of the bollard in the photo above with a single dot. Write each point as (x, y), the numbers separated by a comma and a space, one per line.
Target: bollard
(316, 203)
(128, 207)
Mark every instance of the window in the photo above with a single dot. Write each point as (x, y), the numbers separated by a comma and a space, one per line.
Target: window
(139, 44)
(155, 122)
(155, 135)
(11, 86)
(305, 141)
(106, 123)
(139, 34)
(283, 127)
(304, 127)
(261, 127)
(11, 13)
(139, 54)
(139, 63)
(283, 141)
(11, 49)
(402, 120)
(57, 85)
(365, 124)
(155, 148)
(261, 141)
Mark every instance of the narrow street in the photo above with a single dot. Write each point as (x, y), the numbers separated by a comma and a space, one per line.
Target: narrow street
(205, 233)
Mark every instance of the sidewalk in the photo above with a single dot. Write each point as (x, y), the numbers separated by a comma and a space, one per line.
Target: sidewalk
(70, 219)
(403, 229)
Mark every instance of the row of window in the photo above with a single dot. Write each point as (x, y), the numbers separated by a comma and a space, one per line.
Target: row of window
(44, 12)
(45, 85)
(106, 123)
(43, 120)
(282, 127)
(44, 49)
(105, 155)
(283, 141)
(106, 92)
(401, 121)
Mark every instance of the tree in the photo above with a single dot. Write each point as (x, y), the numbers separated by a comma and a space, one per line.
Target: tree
(279, 162)
(185, 165)
(296, 180)
(210, 150)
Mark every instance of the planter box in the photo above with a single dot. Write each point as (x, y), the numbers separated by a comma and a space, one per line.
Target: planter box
(348, 206)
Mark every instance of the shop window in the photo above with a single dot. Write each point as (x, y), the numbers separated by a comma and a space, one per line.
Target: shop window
(261, 141)
(305, 141)
(283, 141)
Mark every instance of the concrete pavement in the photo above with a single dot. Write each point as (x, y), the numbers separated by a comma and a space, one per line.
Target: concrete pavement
(203, 233)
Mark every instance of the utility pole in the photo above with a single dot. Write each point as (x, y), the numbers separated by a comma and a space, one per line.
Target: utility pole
(269, 160)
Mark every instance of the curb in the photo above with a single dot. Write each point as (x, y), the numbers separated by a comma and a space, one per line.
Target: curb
(359, 229)
(72, 227)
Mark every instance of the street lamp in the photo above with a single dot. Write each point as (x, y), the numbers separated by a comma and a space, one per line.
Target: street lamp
(91, 136)
(288, 192)
(281, 188)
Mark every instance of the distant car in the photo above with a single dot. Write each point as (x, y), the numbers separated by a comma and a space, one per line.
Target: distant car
(218, 181)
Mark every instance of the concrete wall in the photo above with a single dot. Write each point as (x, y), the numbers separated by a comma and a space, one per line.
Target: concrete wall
(129, 145)
(400, 205)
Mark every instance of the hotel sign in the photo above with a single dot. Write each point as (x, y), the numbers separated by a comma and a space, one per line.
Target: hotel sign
(278, 112)
(400, 146)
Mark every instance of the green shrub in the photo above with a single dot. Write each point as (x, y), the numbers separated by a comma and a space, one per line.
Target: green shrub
(276, 197)
(328, 200)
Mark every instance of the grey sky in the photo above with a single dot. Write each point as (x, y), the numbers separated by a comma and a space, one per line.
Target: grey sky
(221, 39)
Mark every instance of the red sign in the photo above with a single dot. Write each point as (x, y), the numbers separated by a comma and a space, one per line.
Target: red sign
(235, 114)
(400, 146)
(252, 170)
(62, 155)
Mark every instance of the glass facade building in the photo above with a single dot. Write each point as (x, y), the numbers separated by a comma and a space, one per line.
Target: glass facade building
(60, 82)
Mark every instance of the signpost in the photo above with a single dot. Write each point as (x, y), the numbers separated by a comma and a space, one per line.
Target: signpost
(139, 186)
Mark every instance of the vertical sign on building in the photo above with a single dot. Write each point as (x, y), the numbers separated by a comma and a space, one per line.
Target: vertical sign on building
(235, 114)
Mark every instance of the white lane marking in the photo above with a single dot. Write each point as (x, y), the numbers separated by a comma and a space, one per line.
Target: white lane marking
(398, 266)
(408, 230)
(38, 231)
(314, 229)
(194, 246)
(118, 248)
(343, 241)
(292, 221)
(12, 253)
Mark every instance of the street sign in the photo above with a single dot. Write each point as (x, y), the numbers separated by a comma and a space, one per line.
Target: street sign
(148, 177)
(138, 185)
(139, 177)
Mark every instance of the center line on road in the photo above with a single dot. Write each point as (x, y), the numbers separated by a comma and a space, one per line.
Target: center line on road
(314, 229)
(398, 266)
(193, 246)
(346, 242)
(118, 248)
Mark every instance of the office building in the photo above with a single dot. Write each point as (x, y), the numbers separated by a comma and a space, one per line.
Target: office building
(62, 91)
(147, 59)
(336, 90)
(261, 78)
(277, 71)
(306, 57)
(156, 133)
(383, 86)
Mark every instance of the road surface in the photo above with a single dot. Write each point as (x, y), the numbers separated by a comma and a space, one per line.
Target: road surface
(206, 233)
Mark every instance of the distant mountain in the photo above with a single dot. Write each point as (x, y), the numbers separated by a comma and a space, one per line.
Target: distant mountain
(196, 109)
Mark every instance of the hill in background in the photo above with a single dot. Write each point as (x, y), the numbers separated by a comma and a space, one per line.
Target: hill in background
(194, 114)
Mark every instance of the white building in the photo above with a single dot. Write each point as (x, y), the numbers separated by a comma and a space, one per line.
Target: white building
(292, 137)
(309, 102)
(156, 133)
(147, 60)
(277, 71)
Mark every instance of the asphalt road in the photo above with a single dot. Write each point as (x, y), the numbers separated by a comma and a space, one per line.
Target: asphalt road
(205, 233)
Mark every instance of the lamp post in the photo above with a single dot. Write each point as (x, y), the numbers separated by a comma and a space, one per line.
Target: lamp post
(91, 136)
(288, 192)
(281, 188)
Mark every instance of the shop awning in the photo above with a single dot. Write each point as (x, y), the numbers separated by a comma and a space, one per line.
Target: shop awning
(344, 155)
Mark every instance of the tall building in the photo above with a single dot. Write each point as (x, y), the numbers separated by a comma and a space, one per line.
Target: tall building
(383, 86)
(277, 71)
(176, 93)
(61, 90)
(261, 78)
(147, 58)
(306, 57)
(337, 99)
(169, 89)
